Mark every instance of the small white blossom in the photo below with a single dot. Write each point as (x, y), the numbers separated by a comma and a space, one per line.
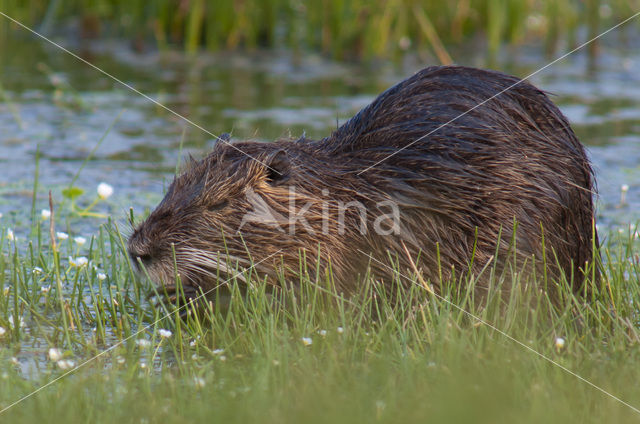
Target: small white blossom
(62, 236)
(307, 341)
(101, 276)
(322, 332)
(340, 330)
(10, 234)
(624, 187)
(14, 360)
(80, 240)
(404, 43)
(55, 354)
(0, 215)
(605, 11)
(164, 333)
(78, 262)
(192, 343)
(222, 358)
(45, 289)
(36, 270)
(45, 214)
(143, 343)
(104, 191)
(56, 80)
(218, 351)
(66, 364)
(559, 343)
(2, 331)
(199, 382)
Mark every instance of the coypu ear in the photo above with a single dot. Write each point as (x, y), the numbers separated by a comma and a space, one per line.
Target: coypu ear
(278, 167)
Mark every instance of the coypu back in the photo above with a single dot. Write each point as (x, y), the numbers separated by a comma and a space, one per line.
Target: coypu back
(475, 149)
(452, 159)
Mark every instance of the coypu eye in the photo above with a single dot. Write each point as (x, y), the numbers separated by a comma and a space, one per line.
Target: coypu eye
(217, 206)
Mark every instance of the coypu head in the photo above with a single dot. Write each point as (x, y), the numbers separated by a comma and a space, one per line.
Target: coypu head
(230, 212)
(198, 225)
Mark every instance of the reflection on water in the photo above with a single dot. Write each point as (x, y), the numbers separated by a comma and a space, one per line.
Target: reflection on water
(51, 100)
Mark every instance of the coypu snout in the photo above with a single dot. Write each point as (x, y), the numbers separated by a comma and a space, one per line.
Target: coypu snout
(457, 168)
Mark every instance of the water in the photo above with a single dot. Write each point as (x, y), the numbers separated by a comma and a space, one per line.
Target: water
(53, 101)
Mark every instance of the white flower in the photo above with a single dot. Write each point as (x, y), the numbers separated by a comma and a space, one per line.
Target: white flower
(404, 43)
(65, 364)
(604, 10)
(340, 330)
(55, 354)
(223, 358)
(143, 343)
(624, 187)
(218, 351)
(80, 240)
(307, 341)
(199, 382)
(45, 214)
(14, 360)
(164, 333)
(36, 270)
(559, 343)
(192, 343)
(62, 236)
(322, 332)
(45, 289)
(0, 215)
(78, 262)
(2, 331)
(104, 191)
(101, 276)
(10, 234)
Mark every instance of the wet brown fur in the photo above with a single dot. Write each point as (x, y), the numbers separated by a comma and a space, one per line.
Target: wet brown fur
(514, 159)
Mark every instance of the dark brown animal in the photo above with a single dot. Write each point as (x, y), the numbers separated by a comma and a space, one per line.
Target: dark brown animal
(436, 168)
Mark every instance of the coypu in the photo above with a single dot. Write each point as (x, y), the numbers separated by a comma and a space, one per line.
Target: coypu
(392, 182)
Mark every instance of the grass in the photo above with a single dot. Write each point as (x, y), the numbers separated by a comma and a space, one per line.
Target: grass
(304, 355)
(345, 29)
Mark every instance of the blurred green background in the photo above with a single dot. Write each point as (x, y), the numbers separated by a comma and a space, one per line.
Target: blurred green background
(341, 29)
